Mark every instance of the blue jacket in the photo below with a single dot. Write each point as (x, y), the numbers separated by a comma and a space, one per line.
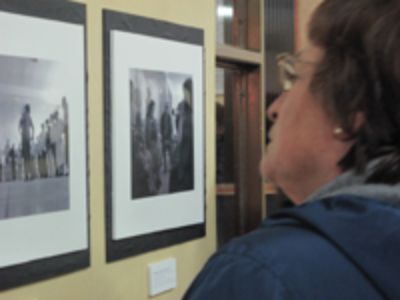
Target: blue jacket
(342, 247)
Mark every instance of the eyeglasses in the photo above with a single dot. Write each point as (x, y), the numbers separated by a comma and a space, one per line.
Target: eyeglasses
(287, 71)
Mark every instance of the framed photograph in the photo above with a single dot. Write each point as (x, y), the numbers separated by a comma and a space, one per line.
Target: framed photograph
(154, 112)
(43, 141)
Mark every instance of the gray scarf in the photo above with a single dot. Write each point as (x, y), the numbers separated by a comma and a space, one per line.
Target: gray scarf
(354, 184)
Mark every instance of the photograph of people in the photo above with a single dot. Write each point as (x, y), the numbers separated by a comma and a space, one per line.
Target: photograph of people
(34, 170)
(161, 133)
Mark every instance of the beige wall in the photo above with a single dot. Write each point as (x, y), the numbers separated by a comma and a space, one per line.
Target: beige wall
(303, 13)
(127, 279)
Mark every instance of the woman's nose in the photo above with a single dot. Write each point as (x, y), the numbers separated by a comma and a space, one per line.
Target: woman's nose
(273, 109)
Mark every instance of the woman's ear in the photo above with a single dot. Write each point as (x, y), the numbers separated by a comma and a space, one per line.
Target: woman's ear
(339, 133)
(358, 122)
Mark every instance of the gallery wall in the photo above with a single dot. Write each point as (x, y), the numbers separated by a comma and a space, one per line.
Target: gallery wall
(128, 278)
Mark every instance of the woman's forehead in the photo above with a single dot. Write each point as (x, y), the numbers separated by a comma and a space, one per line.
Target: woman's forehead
(312, 54)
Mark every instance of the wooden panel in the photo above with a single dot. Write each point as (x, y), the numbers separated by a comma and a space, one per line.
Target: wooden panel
(243, 30)
(229, 121)
(238, 22)
(237, 55)
(254, 151)
(226, 189)
(236, 86)
(253, 25)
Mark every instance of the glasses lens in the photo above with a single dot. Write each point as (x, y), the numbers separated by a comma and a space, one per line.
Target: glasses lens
(287, 73)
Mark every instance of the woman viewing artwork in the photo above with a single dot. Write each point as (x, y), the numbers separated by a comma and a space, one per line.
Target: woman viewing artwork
(335, 152)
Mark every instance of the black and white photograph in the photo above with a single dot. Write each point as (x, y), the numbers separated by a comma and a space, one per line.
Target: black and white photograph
(154, 133)
(161, 132)
(34, 176)
(44, 200)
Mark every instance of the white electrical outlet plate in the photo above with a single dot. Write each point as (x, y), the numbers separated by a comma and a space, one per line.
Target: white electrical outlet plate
(162, 276)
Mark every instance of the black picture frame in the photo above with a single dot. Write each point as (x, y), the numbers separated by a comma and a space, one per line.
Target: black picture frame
(60, 262)
(146, 27)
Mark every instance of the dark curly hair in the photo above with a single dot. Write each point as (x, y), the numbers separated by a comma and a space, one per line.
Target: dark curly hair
(360, 72)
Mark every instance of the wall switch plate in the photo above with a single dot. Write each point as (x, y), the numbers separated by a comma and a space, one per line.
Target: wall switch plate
(162, 276)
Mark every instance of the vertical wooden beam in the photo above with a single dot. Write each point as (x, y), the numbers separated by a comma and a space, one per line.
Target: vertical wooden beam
(236, 22)
(254, 150)
(228, 28)
(236, 86)
(229, 116)
(254, 25)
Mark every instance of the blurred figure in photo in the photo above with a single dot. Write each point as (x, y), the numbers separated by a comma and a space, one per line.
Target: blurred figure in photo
(27, 132)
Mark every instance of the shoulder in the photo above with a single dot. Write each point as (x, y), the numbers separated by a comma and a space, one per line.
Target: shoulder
(283, 250)
(254, 266)
(285, 260)
(229, 275)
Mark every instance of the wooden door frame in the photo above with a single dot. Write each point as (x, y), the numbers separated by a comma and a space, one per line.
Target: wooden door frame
(248, 144)
(250, 59)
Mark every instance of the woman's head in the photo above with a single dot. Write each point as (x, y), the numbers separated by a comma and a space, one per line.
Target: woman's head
(303, 151)
(344, 108)
(360, 74)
